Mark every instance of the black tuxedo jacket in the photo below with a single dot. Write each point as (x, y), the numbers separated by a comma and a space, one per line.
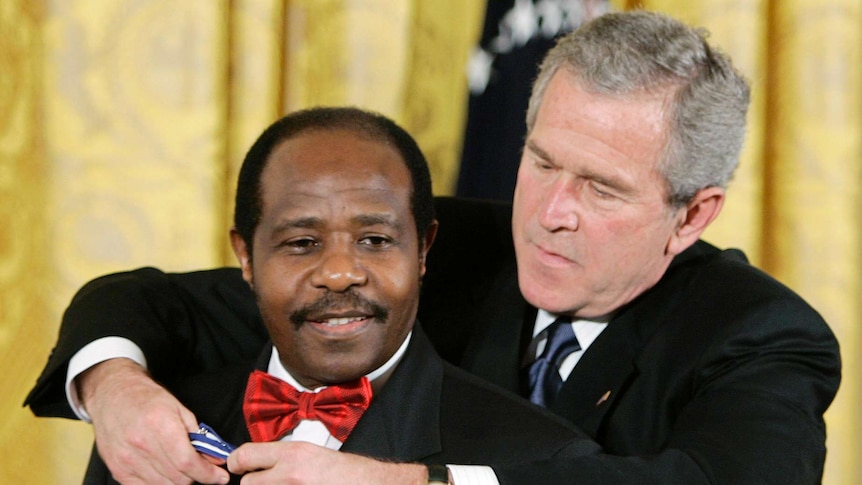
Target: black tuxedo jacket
(428, 411)
(718, 374)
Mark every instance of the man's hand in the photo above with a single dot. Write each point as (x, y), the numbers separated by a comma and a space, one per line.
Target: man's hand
(298, 463)
(141, 429)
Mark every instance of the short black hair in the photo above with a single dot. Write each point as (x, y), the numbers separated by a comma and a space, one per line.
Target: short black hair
(249, 203)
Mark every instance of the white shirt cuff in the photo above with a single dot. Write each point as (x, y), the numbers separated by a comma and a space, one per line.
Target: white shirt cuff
(94, 353)
(473, 475)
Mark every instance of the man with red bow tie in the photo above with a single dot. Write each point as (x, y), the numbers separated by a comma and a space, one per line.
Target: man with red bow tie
(334, 219)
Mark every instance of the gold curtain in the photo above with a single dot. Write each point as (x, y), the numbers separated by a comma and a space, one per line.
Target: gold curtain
(124, 121)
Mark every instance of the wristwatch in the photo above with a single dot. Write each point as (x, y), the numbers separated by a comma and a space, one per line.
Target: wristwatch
(438, 475)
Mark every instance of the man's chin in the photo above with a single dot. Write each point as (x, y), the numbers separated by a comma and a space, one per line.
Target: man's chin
(332, 378)
(558, 299)
(345, 370)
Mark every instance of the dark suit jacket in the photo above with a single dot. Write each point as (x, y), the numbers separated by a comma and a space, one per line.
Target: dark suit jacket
(428, 411)
(718, 374)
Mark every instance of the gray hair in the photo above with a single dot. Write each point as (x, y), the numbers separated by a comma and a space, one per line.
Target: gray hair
(636, 52)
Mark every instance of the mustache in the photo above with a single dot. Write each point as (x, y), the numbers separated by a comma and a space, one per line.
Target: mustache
(332, 301)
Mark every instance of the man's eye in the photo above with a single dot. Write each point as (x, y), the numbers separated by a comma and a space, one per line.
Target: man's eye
(601, 192)
(375, 241)
(543, 165)
(299, 244)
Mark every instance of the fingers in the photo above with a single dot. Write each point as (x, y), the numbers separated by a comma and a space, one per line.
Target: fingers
(300, 463)
(142, 430)
(250, 457)
(179, 462)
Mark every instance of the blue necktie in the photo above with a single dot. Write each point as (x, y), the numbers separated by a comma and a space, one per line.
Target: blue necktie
(545, 380)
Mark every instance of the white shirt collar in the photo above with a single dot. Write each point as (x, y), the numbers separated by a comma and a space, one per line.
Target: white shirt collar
(544, 319)
(585, 330)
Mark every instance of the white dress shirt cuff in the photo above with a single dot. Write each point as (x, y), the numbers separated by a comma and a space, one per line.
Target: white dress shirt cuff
(473, 475)
(94, 353)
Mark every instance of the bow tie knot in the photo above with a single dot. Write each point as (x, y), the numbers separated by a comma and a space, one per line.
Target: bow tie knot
(305, 406)
(273, 408)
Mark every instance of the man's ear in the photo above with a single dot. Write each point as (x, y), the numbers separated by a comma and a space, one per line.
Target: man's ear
(242, 255)
(430, 235)
(695, 217)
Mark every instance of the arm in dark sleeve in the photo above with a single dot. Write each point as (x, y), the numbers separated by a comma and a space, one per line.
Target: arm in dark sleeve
(204, 319)
(183, 322)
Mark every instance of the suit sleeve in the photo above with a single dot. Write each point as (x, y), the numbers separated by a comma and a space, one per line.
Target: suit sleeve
(183, 322)
(759, 395)
(201, 320)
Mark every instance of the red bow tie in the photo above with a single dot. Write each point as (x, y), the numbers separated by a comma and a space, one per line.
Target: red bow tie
(272, 407)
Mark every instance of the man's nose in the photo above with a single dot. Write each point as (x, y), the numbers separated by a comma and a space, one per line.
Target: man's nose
(339, 269)
(559, 206)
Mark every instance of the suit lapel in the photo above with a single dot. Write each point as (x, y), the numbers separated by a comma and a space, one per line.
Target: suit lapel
(235, 420)
(496, 349)
(496, 352)
(600, 376)
(403, 421)
(612, 362)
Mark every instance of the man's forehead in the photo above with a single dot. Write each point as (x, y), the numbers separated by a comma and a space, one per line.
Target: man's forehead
(364, 205)
(592, 124)
(379, 198)
(320, 219)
